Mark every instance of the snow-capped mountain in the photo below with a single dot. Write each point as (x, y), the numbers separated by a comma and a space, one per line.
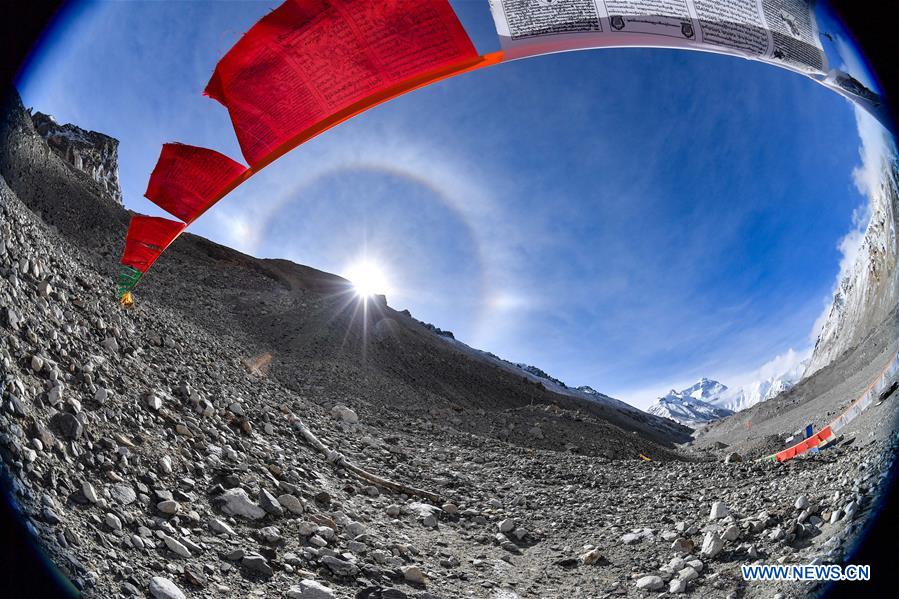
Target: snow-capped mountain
(709, 400)
(705, 390)
(692, 406)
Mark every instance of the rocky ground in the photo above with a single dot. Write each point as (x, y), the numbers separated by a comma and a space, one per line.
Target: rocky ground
(157, 452)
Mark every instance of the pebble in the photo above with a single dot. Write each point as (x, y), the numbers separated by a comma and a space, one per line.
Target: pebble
(591, 557)
(344, 414)
(731, 533)
(154, 402)
(123, 494)
(712, 545)
(291, 503)
(719, 510)
(339, 567)
(269, 503)
(219, 527)
(67, 425)
(310, 589)
(113, 522)
(176, 546)
(732, 458)
(236, 502)
(101, 395)
(650, 583)
(163, 588)
(89, 492)
(413, 574)
(168, 507)
(257, 564)
(683, 545)
(677, 585)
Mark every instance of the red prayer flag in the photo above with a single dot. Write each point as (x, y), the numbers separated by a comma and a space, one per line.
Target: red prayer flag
(187, 180)
(311, 62)
(147, 237)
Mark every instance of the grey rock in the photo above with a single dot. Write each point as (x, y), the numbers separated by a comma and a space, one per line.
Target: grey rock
(153, 401)
(168, 507)
(257, 564)
(712, 545)
(413, 574)
(650, 583)
(269, 503)
(66, 426)
(89, 492)
(236, 502)
(176, 546)
(732, 458)
(163, 588)
(344, 414)
(731, 533)
(310, 589)
(113, 522)
(165, 465)
(291, 503)
(340, 567)
(123, 494)
(219, 527)
(101, 395)
(719, 510)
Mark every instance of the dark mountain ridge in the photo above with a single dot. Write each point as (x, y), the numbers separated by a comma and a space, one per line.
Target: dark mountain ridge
(319, 335)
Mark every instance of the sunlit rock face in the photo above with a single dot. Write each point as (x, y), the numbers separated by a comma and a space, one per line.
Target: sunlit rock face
(93, 153)
(869, 290)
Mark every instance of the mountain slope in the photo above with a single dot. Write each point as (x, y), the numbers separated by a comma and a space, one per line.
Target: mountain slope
(317, 334)
(869, 290)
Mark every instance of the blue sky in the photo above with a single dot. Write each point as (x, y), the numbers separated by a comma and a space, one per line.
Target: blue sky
(630, 219)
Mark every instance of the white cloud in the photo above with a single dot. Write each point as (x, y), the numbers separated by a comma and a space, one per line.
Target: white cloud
(788, 362)
(874, 146)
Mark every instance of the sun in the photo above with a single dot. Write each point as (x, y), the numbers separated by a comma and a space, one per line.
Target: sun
(368, 278)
